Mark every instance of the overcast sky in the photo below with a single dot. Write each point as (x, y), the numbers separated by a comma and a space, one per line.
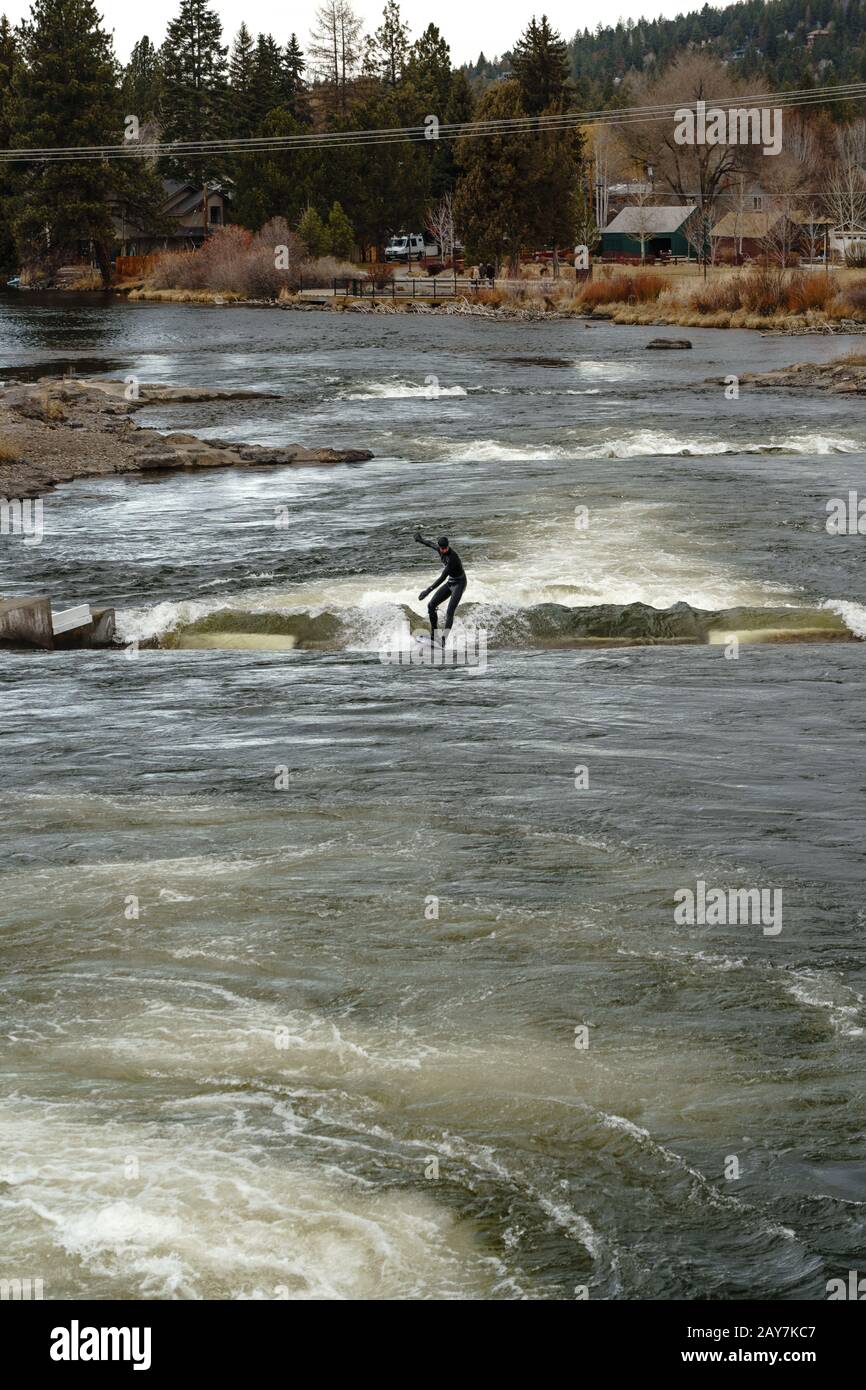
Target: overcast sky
(468, 28)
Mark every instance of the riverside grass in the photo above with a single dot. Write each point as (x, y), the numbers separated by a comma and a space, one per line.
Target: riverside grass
(757, 297)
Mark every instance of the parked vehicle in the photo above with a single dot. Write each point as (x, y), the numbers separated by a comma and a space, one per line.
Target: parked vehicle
(411, 246)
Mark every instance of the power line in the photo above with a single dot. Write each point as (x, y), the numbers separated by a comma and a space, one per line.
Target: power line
(466, 130)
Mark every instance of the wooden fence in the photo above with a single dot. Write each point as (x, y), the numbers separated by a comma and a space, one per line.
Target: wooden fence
(432, 290)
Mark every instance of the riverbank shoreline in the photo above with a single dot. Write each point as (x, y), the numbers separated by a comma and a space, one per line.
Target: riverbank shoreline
(628, 315)
(59, 430)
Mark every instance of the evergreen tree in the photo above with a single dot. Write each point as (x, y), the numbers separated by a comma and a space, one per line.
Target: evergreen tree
(540, 64)
(314, 233)
(340, 234)
(59, 210)
(431, 88)
(267, 79)
(273, 183)
(388, 188)
(240, 72)
(194, 87)
(428, 69)
(388, 49)
(8, 62)
(141, 87)
(516, 191)
(294, 93)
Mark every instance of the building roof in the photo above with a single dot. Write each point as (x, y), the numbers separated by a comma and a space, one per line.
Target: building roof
(810, 219)
(629, 190)
(746, 225)
(650, 221)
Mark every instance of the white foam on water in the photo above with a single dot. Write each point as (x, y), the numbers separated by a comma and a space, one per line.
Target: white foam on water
(403, 390)
(825, 991)
(644, 443)
(144, 624)
(182, 1209)
(628, 554)
(852, 614)
(495, 451)
(652, 443)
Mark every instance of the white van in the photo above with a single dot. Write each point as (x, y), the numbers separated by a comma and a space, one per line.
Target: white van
(412, 246)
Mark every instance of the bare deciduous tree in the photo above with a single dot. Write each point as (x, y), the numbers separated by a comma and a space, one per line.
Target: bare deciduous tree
(335, 48)
(440, 224)
(845, 197)
(694, 173)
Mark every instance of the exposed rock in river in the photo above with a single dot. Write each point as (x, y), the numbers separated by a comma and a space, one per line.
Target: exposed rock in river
(844, 376)
(60, 429)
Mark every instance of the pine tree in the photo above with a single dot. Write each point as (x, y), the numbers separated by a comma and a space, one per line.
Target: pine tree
(341, 234)
(540, 64)
(388, 49)
(294, 91)
(241, 68)
(428, 69)
(314, 233)
(493, 200)
(141, 87)
(429, 88)
(195, 87)
(274, 183)
(8, 62)
(267, 79)
(58, 210)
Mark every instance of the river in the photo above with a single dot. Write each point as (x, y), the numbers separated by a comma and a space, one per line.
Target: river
(328, 977)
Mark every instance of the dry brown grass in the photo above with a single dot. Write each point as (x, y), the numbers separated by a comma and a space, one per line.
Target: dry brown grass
(186, 296)
(91, 281)
(9, 452)
(642, 287)
(50, 409)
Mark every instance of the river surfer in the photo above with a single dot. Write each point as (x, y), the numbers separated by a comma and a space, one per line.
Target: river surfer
(452, 589)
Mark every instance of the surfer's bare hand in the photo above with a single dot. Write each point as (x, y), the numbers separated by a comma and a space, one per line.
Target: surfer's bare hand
(417, 536)
(423, 593)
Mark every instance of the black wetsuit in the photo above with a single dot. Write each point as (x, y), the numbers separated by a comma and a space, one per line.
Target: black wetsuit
(453, 589)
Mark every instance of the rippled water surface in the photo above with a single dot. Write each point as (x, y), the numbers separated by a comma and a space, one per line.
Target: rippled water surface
(298, 945)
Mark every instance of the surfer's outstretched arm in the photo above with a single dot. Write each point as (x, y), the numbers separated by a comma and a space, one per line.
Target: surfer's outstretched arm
(438, 580)
(431, 545)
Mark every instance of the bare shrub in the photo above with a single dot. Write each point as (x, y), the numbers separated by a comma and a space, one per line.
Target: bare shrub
(714, 296)
(234, 261)
(320, 274)
(9, 452)
(624, 289)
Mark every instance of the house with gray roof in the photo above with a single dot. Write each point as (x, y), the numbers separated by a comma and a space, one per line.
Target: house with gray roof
(647, 231)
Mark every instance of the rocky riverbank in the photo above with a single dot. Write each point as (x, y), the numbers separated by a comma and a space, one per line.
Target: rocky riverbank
(845, 376)
(60, 429)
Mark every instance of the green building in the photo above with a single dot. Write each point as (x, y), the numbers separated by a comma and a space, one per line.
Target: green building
(650, 231)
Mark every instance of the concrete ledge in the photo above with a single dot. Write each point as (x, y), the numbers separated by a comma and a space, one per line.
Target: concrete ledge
(29, 622)
(26, 622)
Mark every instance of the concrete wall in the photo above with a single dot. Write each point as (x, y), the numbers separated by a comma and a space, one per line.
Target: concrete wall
(26, 622)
